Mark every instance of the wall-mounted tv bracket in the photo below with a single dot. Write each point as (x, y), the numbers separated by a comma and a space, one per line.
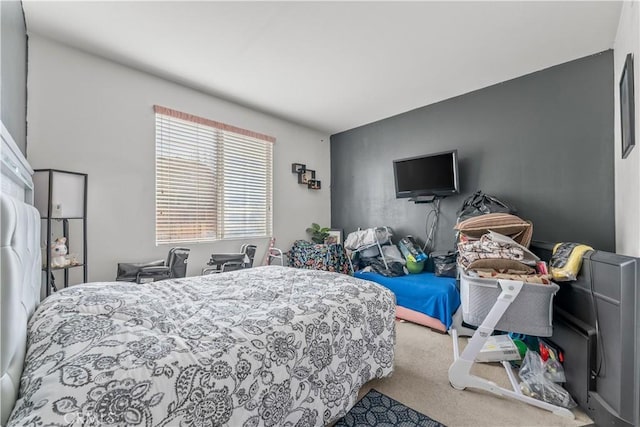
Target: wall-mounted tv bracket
(425, 199)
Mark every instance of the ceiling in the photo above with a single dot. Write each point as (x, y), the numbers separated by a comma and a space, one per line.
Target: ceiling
(332, 66)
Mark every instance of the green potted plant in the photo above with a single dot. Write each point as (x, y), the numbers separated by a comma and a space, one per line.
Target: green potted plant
(318, 234)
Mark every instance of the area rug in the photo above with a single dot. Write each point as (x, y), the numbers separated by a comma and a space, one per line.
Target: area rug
(377, 409)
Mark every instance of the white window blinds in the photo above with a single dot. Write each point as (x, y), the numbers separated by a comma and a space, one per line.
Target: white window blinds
(213, 181)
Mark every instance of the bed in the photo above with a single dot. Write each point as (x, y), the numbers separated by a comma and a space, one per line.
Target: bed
(263, 346)
(424, 298)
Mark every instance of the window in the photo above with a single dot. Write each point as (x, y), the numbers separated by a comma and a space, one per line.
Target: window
(213, 181)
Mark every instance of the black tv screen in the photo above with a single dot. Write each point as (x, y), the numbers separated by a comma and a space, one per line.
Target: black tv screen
(427, 175)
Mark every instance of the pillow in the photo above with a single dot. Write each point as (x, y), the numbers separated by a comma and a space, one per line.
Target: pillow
(510, 225)
(566, 260)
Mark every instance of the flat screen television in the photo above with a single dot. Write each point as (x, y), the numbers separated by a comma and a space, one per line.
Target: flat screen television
(427, 175)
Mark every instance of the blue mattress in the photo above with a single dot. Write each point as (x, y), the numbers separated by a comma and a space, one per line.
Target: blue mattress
(426, 293)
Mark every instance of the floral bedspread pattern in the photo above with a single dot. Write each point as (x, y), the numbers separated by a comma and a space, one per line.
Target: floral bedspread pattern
(268, 346)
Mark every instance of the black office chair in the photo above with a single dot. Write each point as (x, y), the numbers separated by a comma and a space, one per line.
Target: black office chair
(175, 266)
(220, 263)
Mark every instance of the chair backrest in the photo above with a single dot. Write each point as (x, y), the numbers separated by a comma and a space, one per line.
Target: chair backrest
(128, 271)
(250, 251)
(177, 262)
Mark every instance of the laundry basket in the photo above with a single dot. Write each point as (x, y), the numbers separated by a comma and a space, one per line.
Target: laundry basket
(531, 313)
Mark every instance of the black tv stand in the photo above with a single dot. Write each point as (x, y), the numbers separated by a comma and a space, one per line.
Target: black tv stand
(425, 199)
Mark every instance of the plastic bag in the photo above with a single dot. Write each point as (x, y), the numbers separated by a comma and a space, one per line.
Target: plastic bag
(538, 380)
(480, 203)
(410, 250)
(445, 264)
(566, 261)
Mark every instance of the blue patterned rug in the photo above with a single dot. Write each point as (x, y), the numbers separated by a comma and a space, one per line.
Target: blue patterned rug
(376, 409)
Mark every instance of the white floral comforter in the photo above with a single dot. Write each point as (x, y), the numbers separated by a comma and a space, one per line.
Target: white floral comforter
(265, 346)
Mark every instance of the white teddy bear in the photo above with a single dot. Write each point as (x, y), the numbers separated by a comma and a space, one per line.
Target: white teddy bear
(59, 252)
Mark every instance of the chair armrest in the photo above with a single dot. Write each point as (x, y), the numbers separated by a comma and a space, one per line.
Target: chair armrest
(154, 269)
(237, 264)
(153, 274)
(220, 268)
(210, 270)
(218, 259)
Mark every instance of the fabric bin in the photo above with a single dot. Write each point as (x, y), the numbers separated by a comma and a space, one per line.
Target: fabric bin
(530, 313)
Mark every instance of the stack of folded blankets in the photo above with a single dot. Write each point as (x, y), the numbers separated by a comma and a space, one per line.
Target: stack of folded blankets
(496, 245)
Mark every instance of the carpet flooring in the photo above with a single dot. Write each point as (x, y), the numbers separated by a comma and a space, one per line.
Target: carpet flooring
(420, 381)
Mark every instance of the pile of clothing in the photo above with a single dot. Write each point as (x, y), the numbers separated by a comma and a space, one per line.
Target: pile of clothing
(496, 245)
(372, 250)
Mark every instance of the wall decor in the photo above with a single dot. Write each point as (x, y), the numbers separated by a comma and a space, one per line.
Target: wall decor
(306, 176)
(314, 184)
(298, 168)
(335, 236)
(627, 107)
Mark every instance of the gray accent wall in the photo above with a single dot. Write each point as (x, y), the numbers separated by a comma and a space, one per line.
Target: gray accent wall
(13, 71)
(542, 142)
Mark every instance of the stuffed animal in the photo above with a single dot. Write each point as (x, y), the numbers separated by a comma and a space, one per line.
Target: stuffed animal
(59, 252)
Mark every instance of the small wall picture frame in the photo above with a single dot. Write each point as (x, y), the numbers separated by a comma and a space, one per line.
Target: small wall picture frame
(306, 176)
(314, 184)
(298, 168)
(627, 107)
(335, 236)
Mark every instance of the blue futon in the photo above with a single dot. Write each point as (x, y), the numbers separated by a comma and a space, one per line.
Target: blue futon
(426, 293)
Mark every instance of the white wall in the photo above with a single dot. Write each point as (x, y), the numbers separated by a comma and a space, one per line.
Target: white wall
(90, 115)
(627, 171)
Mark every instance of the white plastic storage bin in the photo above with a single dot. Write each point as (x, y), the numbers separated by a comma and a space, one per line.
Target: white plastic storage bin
(531, 312)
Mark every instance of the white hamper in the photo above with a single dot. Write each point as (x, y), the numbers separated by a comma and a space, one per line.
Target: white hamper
(531, 313)
(506, 305)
